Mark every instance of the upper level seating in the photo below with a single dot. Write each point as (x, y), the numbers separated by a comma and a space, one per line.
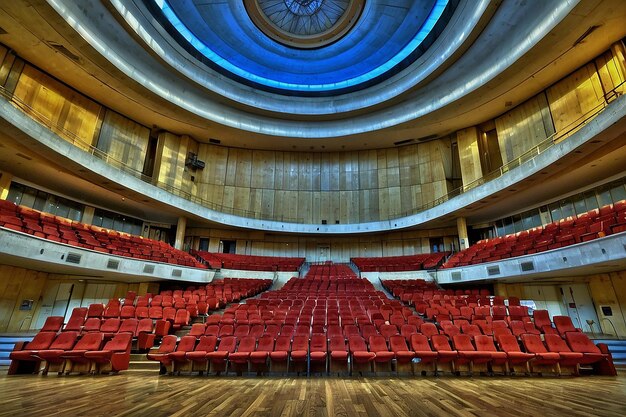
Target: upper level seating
(59, 229)
(400, 263)
(250, 262)
(588, 226)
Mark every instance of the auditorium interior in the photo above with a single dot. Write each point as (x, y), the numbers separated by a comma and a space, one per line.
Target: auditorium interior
(313, 207)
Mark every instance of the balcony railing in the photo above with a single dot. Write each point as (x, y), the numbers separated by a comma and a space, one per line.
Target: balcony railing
(365, 215)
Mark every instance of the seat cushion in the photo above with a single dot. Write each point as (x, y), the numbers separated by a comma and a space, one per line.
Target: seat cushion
(258, 357)
(299, 355)
(279, 356)
(318, 356)
(404, 356)
(239, 357)
(363, 356)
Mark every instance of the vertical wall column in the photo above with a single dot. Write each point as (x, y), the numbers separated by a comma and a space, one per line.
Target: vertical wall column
(461, 225)
(181, 228)
(88, 215)
(5, 183)
(619, 53)
(469, 155)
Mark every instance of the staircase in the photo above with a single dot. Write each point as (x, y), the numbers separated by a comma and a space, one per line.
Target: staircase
(617, 348)
(7, 342)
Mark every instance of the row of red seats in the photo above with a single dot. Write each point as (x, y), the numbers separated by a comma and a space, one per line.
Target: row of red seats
(594, 224)
(58, 229)
(70, 351)
(250, 262)
(321, 354)
(400, 263)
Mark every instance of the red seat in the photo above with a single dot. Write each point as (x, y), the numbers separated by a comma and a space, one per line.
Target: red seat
(24, 355)
(429, 329)
(541, 319)
(76, 356)
(299, 352)
(338, 353)
(318, 352)
(197, 330)
(114, 356)
(167, 346)
(198, 357)
(218, 360)
(567, 358)
(53, 324)
(52, 355)
(378, 345)
(404, 356)
(129, 326)
(258, 358)
(579, 342)
(543, 358)
(515, 357)
(110, 326)
(239, 359)
(468, 355)
(362, 358)
(484, 343)
(424, 352)
(564, 325)
(445, 353)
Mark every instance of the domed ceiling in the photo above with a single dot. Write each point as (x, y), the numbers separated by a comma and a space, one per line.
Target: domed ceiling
(305, 47)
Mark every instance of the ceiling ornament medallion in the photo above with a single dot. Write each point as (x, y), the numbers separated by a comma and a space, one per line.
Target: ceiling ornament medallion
(304, 24)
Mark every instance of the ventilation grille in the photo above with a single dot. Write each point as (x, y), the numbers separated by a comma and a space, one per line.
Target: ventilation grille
(73, 258)
(493, 270)
(113, 264)
(148, 269)
(456, 276)
(177, 273)
(527, 266)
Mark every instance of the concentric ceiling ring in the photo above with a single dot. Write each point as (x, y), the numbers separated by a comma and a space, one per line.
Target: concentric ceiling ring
(304, 24)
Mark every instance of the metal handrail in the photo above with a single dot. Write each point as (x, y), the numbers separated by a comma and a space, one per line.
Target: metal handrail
(523, 158)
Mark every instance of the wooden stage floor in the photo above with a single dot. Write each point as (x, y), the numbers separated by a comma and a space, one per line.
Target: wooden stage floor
(143, 393)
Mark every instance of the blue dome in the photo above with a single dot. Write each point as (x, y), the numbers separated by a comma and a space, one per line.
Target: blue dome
(384, 40)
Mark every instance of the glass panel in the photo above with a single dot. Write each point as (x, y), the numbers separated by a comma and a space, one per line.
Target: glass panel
(28, 197)
(618, 193)
(555, 211)
(508, 226)
(517, 223)
(590, 200)
(40, 201)
(604, 197)
(15, 193)
(580, 206)
(567, 209)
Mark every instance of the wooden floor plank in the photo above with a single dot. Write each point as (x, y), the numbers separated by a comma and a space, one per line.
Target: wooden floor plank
(147, 394)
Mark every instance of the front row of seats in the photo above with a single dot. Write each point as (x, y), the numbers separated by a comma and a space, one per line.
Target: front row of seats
(68, 352)
(460, 354)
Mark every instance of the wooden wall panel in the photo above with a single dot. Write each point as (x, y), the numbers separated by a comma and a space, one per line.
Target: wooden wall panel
(71, 115)
(574, 98)
(524, 127)
(469, 154)
(124, 140)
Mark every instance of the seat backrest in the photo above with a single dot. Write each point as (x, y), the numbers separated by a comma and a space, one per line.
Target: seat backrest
(64, 341)
(206, 344)
(127, 312)
(110, 325)
(318, 343)
(247, 344)
(52, 324)
(266, 343)
(337, 343)
(90, 341)
(508, 343)
(168, 344)
(186, 344)
(212, 330)
(120, 342)
(42, 340)
(429, 329)
(463, 342)
(419, 343)
(378, 343)
(74, 323)
(92, 324)
(533, 344)
(128, 326)
(556, 343)
(397, 343)
(580, 342)
(144, 326)
(564, 324)
(387, 330)
(197, 330)
(256, 330)
(485, 343)
(300, 342)
(357, 343)
(440, 343)
(471, 330)
(227, 344)
(541, 318)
